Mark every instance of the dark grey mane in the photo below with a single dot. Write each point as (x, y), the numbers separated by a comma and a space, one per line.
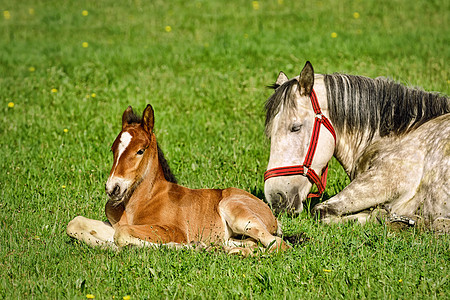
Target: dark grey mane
(358, 103)
(168, 175)
(281, 96)
(361, 104)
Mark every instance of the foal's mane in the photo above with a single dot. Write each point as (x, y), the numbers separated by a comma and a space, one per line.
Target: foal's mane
(168, 175)
(361, 104)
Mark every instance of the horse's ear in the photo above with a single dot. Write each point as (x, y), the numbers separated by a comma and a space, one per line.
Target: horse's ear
(148, 119)
(307, 79)
(127, 116)
(282, 78)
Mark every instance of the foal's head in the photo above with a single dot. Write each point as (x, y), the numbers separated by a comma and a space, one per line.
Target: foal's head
(131, 153)
(289, 125)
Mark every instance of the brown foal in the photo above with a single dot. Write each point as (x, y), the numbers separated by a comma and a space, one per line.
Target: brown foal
(147, 207)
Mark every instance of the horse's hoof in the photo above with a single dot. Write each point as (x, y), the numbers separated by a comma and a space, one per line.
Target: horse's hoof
(322, 211)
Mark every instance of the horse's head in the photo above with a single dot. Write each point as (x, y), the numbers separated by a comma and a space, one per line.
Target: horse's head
(131, 160)
(291, 115)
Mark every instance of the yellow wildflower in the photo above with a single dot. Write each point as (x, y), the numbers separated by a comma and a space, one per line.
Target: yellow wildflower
(356, 15)
(66, 130)
(168, 28)
(31, 69)
(54, 90)
(127, 297)
(93, 95)
(90, 296)
(85, 13)
(326, 270)
(6, 14)
(400, 280)
(11, 104)
(85, 44)
(63, 186)
(255, 5)
(334, 35)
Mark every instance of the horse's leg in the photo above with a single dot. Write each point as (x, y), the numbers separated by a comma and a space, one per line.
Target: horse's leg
(373, 215)
(375, 187)
(242, 220)
(92, 232)
(441, 225)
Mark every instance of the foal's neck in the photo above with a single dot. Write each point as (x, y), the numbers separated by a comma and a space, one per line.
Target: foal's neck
(152, 176)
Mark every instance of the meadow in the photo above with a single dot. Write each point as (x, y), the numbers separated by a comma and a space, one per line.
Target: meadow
(68, 70)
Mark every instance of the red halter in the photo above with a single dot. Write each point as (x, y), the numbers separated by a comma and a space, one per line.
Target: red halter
(305, 169)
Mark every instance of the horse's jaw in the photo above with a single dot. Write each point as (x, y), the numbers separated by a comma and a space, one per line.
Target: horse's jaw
(286, 194)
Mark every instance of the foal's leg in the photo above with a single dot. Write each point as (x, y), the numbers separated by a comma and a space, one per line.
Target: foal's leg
(92, 232)
(243, 220)
(150, 236)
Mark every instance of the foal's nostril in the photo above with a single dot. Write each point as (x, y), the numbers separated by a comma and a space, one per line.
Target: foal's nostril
(113, 192)
(116, 190)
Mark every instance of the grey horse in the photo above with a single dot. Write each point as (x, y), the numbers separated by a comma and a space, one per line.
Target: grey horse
(393, 141)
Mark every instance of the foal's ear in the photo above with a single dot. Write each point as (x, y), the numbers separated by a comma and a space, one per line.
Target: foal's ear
(282, 78)
(148, 119)
(127, 117)
(307, 79)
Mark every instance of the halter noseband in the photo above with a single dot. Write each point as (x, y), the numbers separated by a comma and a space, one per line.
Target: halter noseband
(305, 169)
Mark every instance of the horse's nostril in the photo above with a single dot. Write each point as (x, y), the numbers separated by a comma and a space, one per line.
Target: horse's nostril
(281, 197)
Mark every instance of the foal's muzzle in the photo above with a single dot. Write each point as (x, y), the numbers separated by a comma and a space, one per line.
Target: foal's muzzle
(116, 188)
(114, 193)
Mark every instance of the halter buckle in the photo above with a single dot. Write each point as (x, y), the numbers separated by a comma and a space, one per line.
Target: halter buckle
(305, 170)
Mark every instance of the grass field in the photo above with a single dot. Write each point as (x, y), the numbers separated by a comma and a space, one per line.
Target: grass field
(68, 69)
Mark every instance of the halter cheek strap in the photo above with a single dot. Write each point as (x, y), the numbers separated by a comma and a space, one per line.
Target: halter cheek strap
(306, 169)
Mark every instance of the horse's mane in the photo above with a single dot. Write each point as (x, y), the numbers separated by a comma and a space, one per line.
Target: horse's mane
(168, 175)
(278, 98)
(358, 104)
(362, 104)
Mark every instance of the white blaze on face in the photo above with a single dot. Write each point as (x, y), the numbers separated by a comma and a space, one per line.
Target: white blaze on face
(125, 140)
(114, 181)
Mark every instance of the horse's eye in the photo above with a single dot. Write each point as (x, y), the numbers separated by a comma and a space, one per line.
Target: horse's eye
(140, 152)
(296, 127)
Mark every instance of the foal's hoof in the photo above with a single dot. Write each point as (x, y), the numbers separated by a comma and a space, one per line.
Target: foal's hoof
(241, 251)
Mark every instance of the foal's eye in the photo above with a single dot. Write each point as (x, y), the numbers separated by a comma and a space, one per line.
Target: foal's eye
(296, 127)
(140, 152)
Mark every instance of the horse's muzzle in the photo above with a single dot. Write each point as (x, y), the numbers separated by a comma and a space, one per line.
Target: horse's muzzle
(285, 202)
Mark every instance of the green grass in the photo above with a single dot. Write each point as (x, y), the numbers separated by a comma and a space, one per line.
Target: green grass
(206, 80)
